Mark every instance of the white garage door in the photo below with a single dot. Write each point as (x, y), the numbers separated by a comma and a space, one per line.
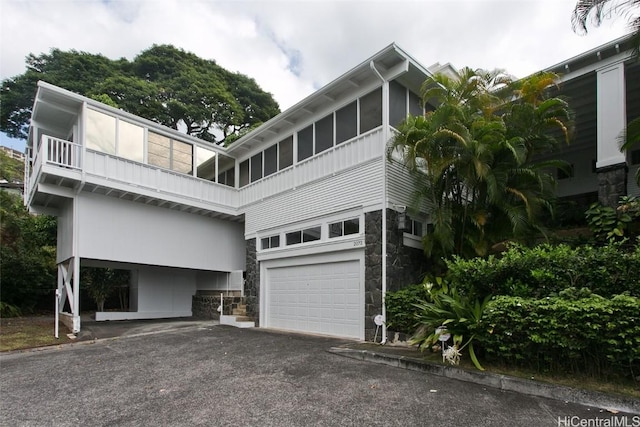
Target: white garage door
(320, 298)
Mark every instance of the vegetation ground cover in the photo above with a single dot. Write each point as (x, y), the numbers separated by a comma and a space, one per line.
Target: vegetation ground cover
(18, 333)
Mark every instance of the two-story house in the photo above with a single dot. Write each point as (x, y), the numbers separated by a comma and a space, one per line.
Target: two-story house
(305, 216)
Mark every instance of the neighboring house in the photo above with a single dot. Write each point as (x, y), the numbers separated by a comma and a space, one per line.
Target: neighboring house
(603, 89)
(16, 186)
(307, 207)
(12, 153)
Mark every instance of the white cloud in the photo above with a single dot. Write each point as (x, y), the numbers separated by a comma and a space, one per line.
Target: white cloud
(292, 47)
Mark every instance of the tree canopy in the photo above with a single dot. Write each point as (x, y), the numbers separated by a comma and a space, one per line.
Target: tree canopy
(475, 158)
(163, 83)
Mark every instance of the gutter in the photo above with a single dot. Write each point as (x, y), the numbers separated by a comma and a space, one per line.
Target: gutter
(385, 137)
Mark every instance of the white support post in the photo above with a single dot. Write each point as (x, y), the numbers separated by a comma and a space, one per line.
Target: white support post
(76, 296)
(68, 290)
(55, 325)
(611, 116)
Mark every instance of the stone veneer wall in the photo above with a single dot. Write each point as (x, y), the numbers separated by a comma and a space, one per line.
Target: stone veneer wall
(612, 183)
(372, 271)
(252, 282)
(405, 265)
(205, 306)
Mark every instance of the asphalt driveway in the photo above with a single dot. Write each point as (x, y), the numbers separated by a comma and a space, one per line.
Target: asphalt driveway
(222, 376)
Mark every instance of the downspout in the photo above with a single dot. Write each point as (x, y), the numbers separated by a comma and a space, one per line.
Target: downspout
(385, 137)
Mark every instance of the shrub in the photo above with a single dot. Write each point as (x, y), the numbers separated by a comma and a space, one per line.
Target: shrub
(576, 331)
(8, 310)
(546, 270)
(459, 314)
(401, 311)
(608, 223)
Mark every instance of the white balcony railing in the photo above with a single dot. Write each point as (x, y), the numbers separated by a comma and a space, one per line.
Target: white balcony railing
(62, 153)
(343, 156)
(69, 155)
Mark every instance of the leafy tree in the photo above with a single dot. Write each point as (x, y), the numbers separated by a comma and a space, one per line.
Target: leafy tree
(27, 249)
(163, 83)
(76, 71)
(474, 156)
(101, 283)
(27, 254)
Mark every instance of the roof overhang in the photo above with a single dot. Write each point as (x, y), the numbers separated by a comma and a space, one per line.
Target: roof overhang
(391, 62)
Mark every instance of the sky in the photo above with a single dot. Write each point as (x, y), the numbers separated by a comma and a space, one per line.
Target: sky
(292, 48)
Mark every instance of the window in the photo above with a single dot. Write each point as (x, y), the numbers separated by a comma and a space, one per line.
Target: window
(344, 228)
(182, 160)
(371, 111)
(324, 134)
(205, 164)
(244, 173)
(346, 122)
(169, 154)
(305, 143)
(101, 132)
(256, 167)
(271, 160)
(130, 141)
(159, 150)
(415, 105)
(302, 236)
(294, 237)
(414, 227)
(397, 103)
(270, 242)
(227, 174)
(311, 234)
(285, 154)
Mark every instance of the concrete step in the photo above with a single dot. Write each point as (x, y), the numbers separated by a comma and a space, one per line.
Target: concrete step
(239, 312)
(237, 321)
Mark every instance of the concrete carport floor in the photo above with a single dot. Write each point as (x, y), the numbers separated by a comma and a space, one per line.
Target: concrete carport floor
(220, 376)
(91, 330)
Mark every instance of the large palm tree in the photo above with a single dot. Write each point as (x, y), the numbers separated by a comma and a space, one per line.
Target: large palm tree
(596, 11)
(474, 156)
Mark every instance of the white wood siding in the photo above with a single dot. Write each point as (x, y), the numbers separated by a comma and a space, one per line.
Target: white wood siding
(359, 186)
(64, 248)
(112, 229)
(165, 291)
(401, 186)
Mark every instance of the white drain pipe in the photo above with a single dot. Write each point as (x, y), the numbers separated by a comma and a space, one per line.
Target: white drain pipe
(385, 137)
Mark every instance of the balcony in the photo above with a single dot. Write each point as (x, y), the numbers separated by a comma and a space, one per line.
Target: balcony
(62, 168)
(361, 149)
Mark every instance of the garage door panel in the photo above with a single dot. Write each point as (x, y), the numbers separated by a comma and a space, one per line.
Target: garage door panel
(320, 298)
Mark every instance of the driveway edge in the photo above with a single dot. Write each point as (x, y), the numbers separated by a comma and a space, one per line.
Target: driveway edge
(499, 381)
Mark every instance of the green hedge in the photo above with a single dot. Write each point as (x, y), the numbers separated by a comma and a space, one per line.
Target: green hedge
(547, 269)
(400, 309)
(576, 331)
